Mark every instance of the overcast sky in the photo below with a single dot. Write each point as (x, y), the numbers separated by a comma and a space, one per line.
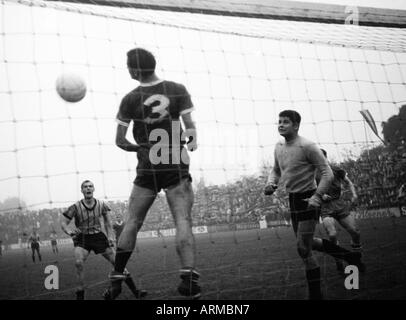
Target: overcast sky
(238, 85)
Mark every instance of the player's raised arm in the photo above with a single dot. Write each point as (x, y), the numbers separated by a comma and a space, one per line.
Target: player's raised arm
(349, 183)
(190, 131)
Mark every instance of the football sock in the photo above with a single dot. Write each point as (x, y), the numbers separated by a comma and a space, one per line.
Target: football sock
(121, 260)
(314, 283)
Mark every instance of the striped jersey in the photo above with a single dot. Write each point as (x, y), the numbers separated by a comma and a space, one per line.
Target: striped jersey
(88, 219)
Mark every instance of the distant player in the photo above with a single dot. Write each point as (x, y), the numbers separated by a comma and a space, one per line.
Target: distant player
(118, 226)
(53, 236)
(155, 109)
(87, 234)
(34, 241)
(334, 208)
(296, 162)
(158, 232)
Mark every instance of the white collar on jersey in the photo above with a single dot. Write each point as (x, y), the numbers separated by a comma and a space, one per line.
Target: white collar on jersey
(150, 84)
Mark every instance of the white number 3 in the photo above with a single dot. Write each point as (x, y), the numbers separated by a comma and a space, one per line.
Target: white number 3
(160, 108)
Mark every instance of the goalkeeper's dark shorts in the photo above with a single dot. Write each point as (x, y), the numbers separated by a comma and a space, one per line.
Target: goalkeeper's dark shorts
(159, 176)
(96, 242)
(299, 209)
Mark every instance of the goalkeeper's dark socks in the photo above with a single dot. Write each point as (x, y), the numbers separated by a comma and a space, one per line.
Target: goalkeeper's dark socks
(336, 251)
(122, 257)
(314, 283)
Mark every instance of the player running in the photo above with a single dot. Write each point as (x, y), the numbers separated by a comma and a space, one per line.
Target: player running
(53, 236)
(34, 241)
(155, 108)
(296, 162)
(334, 208)
(87, 235)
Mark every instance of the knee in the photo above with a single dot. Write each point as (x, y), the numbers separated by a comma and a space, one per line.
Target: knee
(303, 250)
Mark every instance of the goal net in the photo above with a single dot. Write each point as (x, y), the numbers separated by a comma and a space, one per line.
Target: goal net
(242, 62)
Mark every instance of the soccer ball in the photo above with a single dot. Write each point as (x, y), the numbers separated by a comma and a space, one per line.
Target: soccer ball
(71, 87)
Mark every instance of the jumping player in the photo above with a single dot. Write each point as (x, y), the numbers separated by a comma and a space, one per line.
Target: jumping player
(296, 162)
(87, 235)
(334, 208)
(155, 108)
(34, 241)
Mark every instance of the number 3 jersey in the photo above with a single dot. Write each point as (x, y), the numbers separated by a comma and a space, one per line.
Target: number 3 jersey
(156, 105)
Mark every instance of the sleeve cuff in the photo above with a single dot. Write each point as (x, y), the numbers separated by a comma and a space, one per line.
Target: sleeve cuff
(122, 123)
(187, 111)
(66, 216)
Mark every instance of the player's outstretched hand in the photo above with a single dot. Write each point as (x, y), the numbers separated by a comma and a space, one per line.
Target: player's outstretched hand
(270, 189)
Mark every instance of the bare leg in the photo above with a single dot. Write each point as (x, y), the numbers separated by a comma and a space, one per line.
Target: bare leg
(38, 253)
(330, 227)
(349, 224)
(80, 258)
(140, 201)
(305, 233)
(180, 200)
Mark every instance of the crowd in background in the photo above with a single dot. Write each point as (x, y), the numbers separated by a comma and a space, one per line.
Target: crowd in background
(377, 177)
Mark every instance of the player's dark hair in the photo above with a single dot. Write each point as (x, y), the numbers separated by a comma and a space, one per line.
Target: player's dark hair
(83, 183)
(143, 60)
(293, 115)
(324, 152)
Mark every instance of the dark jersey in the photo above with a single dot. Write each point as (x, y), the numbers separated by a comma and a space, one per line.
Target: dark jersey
(335, 189)
(34, 239)
(87, 219)
(155, 106)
